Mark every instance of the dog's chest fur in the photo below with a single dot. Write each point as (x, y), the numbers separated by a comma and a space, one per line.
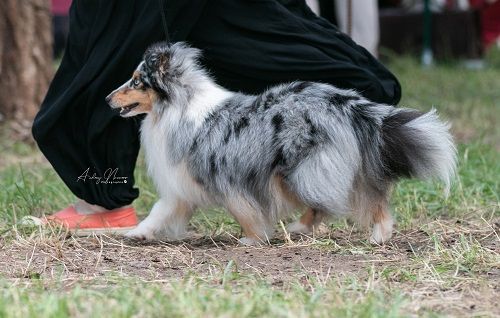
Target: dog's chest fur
(169, 173)
(167, 138)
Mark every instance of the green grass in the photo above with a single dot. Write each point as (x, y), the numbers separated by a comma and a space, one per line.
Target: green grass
(193, 297)
(444, 259)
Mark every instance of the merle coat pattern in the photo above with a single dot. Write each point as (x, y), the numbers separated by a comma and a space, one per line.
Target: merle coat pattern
(303, 145)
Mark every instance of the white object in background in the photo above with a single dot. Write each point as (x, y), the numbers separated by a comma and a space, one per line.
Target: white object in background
(314, 5)
(427, 58)
(359, 19)
(463, 5)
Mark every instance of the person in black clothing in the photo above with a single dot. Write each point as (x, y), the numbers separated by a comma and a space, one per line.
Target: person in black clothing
(247, 46)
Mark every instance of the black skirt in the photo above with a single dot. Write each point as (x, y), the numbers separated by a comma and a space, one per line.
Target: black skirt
(247, 45)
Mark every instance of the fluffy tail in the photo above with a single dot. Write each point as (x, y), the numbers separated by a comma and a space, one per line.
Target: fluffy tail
(418, 145)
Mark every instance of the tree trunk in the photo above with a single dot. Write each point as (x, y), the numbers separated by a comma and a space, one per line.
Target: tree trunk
(25, 59)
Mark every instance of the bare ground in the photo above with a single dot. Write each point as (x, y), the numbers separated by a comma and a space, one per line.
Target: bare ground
(329, 255)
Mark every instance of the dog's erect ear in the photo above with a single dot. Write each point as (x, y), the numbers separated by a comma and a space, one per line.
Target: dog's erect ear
(163, 63)
(161, 57)
(159, 61)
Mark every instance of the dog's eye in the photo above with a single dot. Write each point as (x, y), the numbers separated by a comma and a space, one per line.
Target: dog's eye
(136, 82)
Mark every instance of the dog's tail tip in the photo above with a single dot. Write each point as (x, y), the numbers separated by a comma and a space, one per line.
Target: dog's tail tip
(419, 145)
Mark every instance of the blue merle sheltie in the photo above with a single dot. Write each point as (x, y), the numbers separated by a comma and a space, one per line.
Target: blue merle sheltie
(301, 145)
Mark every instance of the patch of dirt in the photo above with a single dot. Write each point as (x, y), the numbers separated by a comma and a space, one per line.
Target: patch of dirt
(405, 264)
(84, 258)
(332, 252)
(284, 260)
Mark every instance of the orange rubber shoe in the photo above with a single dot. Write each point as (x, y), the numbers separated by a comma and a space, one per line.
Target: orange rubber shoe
(115, 221)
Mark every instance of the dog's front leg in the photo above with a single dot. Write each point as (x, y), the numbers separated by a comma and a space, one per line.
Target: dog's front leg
(167, 219)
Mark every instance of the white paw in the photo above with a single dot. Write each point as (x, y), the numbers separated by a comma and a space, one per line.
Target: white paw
(249, 241)
(141, 233)
(298, 227)
(380, 234)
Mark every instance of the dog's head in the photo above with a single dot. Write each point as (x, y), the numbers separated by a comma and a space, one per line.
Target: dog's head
(164, 74)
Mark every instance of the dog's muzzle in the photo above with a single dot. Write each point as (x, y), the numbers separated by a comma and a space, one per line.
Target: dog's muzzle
(126, 109)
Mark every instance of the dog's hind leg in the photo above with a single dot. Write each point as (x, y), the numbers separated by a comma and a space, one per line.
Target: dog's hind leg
(382, 221)
(306, 223)
(256, 227)
(167, 219)
(370, 207)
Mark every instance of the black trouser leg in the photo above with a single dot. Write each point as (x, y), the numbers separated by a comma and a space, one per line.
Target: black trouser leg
(76, 130)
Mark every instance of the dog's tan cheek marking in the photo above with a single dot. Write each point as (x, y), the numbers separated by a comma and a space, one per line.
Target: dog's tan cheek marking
(120, 97)
(153, 98)
(137, 96)
(152, 95)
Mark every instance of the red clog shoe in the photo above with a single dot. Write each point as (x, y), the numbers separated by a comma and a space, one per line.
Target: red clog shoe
(116, 221)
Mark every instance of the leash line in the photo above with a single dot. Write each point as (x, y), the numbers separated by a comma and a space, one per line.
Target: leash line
(164, 19)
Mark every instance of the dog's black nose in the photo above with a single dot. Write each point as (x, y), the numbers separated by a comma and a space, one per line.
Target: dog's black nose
(108, 99)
